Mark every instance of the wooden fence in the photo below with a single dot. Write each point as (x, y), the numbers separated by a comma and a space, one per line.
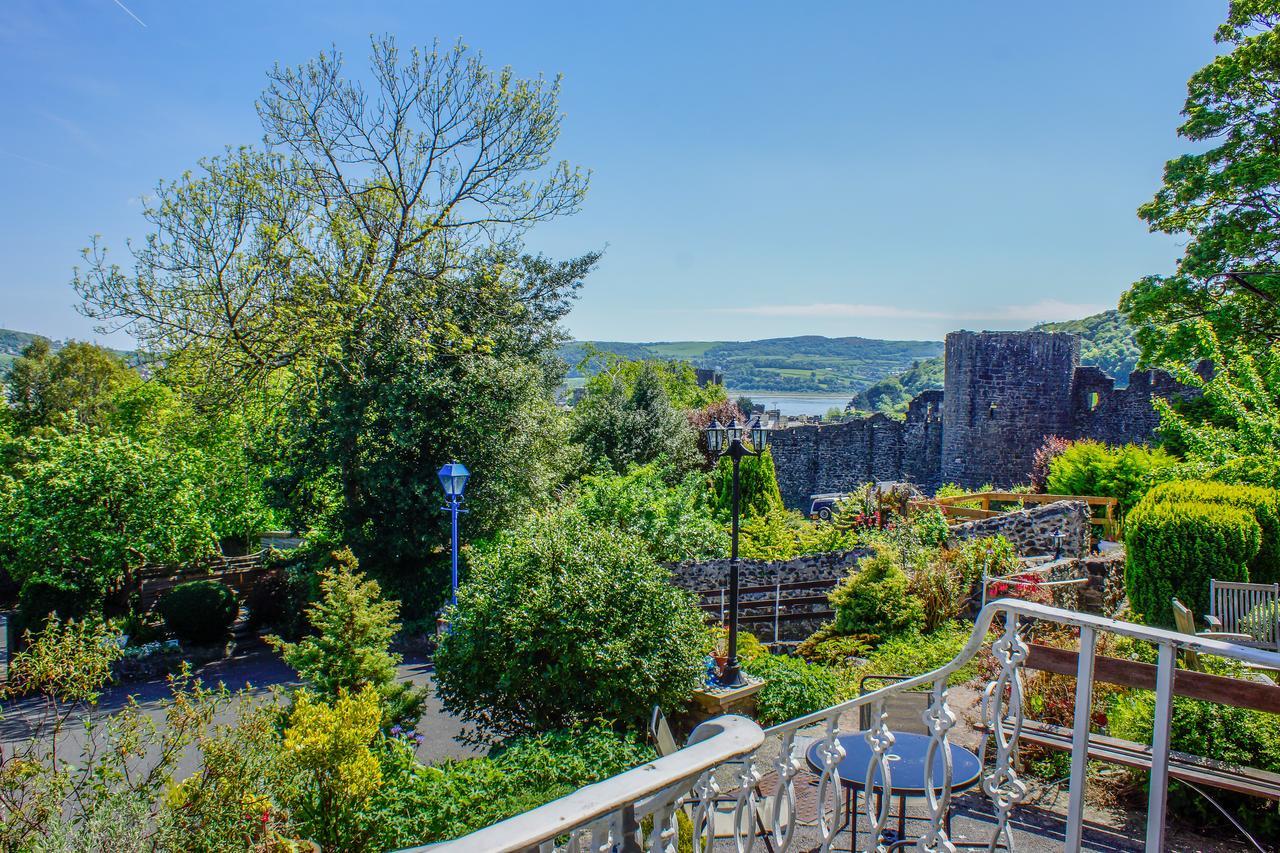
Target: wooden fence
(242, 574)
(952, 507)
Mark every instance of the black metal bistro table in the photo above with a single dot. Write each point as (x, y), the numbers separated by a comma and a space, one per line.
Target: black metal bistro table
(907, 773)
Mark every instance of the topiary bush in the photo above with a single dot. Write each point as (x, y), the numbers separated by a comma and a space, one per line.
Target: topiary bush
(1173, 549)
(793, 687)
(1262, 502)
(199, 612)
(874, 598)
(560, 623)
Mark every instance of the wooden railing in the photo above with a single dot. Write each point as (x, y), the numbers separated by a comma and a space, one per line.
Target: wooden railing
(242, 574)
(952, 507)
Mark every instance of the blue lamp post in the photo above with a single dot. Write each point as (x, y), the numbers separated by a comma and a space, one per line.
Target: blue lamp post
(453, 479)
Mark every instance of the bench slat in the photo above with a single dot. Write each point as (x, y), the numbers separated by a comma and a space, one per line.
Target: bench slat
(1191, 768)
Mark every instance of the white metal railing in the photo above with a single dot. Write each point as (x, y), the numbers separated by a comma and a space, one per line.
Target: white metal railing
(608, 816)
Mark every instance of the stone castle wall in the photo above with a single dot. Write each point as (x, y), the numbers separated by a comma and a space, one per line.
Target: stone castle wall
(1004, 392)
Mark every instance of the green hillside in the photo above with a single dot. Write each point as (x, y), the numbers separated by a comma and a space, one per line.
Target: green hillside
(1106, 341)
(808, 363)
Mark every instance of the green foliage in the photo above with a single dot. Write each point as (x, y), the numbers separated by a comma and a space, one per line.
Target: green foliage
(627, 417)
(451, 799)
(1090, 467)
(380, 423)
(913, 654)
(75, 385)
(784, 534)
(329, 750)
(350, 649)
(1219, 199)
(1174, 548)
(757, 483)
(199, 612)
(672, 518)
(1107, 341)
(83, 511)
(793, 687)
(560, 622)
(1211, 730)
(68, 661)
(830, 649)
(874, 598)
(1262, 503)
(892, 394)
(1231, 432)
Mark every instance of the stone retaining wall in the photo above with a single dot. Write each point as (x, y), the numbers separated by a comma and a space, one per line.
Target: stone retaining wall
(714, 574)
(1031, 531)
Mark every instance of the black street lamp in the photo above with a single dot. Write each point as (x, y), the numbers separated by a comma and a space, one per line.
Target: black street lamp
(722, 440)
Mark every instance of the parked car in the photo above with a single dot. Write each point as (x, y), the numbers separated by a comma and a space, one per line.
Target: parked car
(825, 506)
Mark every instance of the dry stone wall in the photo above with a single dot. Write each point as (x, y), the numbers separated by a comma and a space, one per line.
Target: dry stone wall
(1032, 531)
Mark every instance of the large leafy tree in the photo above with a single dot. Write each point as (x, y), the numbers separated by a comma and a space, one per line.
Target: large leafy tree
(261, 261)
(370, 264)
(382, 423)
(626, 417)
(82, 511)
(1225, 198)
(79, 381)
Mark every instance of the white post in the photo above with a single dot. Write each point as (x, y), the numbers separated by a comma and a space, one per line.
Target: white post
(1160, 748)
(1080, 737)
(777, 603)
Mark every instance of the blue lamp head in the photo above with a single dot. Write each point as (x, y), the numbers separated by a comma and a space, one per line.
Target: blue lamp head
(453, 479)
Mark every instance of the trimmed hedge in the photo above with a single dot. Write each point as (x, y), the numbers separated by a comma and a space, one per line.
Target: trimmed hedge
(1175, 548)
(199, 612)
(1262, 503)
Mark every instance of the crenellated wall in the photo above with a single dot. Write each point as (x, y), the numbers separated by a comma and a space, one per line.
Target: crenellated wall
(1004, 392)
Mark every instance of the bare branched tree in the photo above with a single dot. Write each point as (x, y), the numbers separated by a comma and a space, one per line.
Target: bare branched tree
(260, 261)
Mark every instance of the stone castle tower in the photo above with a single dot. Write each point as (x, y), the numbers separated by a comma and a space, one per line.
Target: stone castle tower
(1005, 391)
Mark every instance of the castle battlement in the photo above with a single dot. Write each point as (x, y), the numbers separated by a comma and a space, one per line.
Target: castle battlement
(1003, 394)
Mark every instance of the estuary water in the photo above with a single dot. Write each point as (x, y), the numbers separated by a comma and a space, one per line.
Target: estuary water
(795, 404)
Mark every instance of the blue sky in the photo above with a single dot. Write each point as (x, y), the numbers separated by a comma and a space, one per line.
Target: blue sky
(760, 169)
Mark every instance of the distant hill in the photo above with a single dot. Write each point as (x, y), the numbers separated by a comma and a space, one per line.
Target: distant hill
(12, 343)
(808, 363)
(1106, 340)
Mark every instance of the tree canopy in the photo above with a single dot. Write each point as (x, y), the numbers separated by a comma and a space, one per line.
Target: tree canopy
(1225, 198)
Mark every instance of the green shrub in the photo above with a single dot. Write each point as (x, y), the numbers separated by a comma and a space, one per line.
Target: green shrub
(43, 596)
(350, 648)
(1211, 730)
(916, 654)
(1262, 502)
(874, 598)
(1175, 549)
(562, 623)
(199, 612)
(758, 492)
(793, 687)
(421, 805)
(829, 649)
(1090, 467)
(673, 518)
(784, 534)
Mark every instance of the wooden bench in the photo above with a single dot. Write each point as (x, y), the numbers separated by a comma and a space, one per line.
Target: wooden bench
(1232, 603)
(1196, 771)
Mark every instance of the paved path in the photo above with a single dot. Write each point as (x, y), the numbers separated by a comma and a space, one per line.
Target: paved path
(257, 670)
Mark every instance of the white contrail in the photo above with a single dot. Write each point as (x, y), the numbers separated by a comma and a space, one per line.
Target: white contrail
(129, 12)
